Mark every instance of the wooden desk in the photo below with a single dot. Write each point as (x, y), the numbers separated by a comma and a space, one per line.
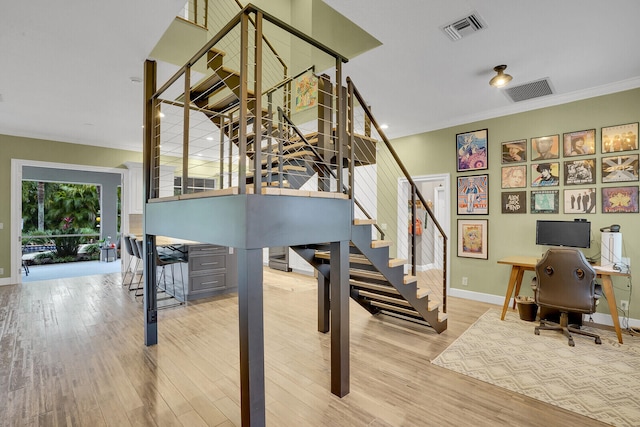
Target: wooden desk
(520, 264)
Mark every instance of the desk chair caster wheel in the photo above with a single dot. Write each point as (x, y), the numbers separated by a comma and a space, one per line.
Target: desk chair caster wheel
(571, 343)
(598, 340)
(536, 331)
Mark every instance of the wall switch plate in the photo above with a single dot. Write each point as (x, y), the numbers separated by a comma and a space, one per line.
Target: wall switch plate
(1, 225)
(465, 281)
(624, 305)
(1, 271)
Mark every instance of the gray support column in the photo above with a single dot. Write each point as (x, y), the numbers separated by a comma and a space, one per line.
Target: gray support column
(250, 313)
(340, 318)
(150, 165)
(323, 303)
(150, 300)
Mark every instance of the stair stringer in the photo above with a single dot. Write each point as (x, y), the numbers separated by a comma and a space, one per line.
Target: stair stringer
(379, 258)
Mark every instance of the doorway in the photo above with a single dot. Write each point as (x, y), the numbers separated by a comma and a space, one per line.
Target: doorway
(109, 179)
(436, 189)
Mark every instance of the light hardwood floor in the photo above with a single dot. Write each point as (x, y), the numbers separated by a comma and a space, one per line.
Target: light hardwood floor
(72, 353)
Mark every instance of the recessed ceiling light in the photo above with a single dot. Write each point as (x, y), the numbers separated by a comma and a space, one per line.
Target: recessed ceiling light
(209, 138)
(384, 126)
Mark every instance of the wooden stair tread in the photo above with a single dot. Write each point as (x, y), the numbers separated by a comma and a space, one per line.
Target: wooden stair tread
(385, 298)
(364, 221)
(366, 273)
(408, 279)
(433, 305)
(295, 155)
(374, 286)
(381, 243)
(409, 312)
(285, 168)
(396, 262)
(421, 293)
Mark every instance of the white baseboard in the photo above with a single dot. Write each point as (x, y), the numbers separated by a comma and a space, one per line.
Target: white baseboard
(5, 281)
(600, 318)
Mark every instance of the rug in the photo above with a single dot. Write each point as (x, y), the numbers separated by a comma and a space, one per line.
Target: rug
(599, 381)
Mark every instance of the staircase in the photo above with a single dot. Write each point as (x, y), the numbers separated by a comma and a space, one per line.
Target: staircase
(290, 158)
(377, 282)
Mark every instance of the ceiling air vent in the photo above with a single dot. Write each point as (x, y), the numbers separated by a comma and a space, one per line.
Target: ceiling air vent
(529, 90)
(464, 27)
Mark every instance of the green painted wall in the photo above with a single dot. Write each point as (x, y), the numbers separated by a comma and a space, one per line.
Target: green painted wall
(514, 234)
(13, 147)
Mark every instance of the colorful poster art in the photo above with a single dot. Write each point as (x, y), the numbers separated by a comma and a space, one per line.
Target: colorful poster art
(306, 91)
(471, 149)
(473, 195)
(472, 238)
(620, 200)
(545, 174)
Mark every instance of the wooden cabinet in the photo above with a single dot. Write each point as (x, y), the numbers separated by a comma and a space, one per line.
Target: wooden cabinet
(213, 270)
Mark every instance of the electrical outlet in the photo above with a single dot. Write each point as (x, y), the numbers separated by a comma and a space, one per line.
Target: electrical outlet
(624, 305)
(383, 226)
(465, 281)
(1, 271)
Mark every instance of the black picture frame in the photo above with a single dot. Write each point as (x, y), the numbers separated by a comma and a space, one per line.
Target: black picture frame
(514, 202)
(473, 194)
(472, 150)
(580, 171)
(545, 201)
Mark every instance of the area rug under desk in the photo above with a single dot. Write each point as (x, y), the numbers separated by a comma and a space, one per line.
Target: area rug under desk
(598, 381)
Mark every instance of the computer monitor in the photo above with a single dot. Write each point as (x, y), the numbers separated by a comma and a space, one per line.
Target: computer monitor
(576, 234)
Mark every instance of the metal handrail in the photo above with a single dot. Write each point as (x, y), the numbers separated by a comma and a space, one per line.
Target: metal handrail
(414, 189)
(325, 167)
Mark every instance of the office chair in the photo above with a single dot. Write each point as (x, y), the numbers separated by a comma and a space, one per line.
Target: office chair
(566, 282)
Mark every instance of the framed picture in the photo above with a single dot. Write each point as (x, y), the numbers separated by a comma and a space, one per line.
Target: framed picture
(514, 151)
(620, 200)
(514, 202)
(306, 91)
(473, 195)
(579, 143)
(472, 238)
(545, 174)
(514, 176)
(580, 201)
(472, 150)
(620, 168)
(544, 201)
(578, 172)
(545, 147)
(620, 138)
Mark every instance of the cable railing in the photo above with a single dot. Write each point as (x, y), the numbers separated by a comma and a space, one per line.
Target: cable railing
(387, 190)
(209, 123)
(238, 129)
